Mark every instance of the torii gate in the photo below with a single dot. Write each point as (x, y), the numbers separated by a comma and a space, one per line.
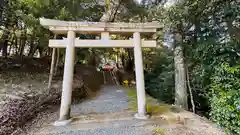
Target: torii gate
(71, 28)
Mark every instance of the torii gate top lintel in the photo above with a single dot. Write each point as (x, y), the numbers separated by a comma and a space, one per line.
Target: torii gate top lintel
(61, 27)
(102, 28)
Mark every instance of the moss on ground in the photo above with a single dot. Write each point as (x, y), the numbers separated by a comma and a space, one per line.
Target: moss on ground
(151, 104)
(174, 124)
(159, 131)
(154, 107)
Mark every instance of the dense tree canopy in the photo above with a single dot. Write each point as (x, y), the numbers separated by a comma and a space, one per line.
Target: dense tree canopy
(209, 32)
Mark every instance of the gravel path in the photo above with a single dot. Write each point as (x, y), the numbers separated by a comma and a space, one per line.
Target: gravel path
(111, 131)
(110, 99)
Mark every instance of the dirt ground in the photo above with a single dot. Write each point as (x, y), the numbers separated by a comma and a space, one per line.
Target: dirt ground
(25, 81)
(14, 85)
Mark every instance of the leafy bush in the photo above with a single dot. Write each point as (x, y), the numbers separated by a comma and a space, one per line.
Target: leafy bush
(160, 80)
(201, 60)
(225, 97)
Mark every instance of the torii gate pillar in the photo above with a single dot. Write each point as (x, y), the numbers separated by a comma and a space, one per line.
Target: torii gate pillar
(141, 96)
(67, 78)
(71, 28)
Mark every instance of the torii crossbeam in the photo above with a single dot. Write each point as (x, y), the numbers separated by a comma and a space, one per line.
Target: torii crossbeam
(104, 29)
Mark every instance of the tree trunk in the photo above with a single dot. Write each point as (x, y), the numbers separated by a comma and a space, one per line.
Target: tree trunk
(196, 31)
(16, 46)
(23, 43)
(130, 61)
(109, 14)
(10, 48)
(190, 90)
(92, 58)
(1, 45)
(33, 48)
(49, 51)
(5, 44)
(180, 75)
(11, 42)
(40, 49)
(122, 59)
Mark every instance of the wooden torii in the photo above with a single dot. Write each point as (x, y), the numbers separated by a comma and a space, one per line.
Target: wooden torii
(104, 29)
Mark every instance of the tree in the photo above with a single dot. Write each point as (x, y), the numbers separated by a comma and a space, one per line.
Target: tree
(180, 73)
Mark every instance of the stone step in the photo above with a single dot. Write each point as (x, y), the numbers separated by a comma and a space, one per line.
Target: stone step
(95, 126)
(104, 117)
(97, 121)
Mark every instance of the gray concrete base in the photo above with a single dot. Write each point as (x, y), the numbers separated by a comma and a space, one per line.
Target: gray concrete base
(62, 122)
(141, 116)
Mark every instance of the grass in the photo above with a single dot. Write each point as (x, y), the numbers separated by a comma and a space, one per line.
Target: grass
(151, 104)
(159, 131)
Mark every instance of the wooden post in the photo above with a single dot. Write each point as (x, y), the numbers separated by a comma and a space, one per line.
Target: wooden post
(141, 96)
(57, 62)
(52, 66)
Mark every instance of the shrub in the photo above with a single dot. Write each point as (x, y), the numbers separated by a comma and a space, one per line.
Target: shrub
(160, 80)
(225, 97)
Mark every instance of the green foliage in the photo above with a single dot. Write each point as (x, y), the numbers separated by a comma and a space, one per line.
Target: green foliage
(201, 62)
(225, 97)
(23, 15)
(210, 31)
(160, 80)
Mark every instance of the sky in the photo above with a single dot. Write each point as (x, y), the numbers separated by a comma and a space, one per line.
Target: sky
(139, 1)
(168, 37)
